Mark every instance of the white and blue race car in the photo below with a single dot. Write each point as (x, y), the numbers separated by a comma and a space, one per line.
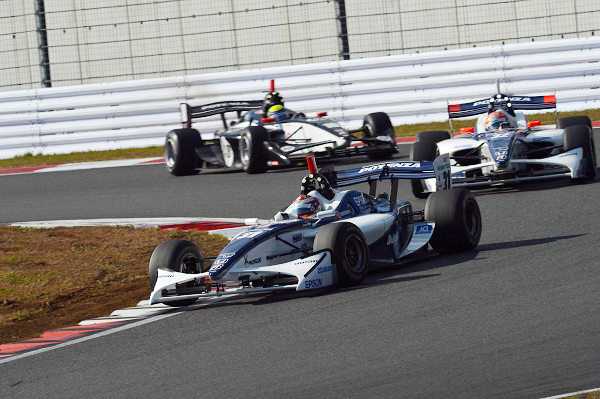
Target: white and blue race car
(326, 237)
(504, 147)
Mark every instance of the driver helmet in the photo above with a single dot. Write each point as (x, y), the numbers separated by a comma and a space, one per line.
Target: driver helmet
(304, 207)
(272, 98)
(497, 120)
(277, 112)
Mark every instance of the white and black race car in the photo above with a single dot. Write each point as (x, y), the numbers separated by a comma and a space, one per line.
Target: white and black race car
(326, 237)
(253, 140)
(504, 147)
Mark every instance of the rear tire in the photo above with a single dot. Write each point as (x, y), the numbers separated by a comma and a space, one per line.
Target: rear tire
(177, 255)
(457, 220)
(179, 152)
(252, 150)
(433, 136)
(564, 123)
(349, 250)
(379, 124)
(422, 151)
(581, 136)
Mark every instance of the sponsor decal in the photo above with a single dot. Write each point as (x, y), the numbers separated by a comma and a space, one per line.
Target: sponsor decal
(424, 229)
(323, 269)
(485, 102)
(393, 241)
(341, 214)
(287, 148)
(313, 283)
(384, 138)
(300, 262)
(227, 104)
(568, 154)
(253, 261)
(225, 255)
(218, 264)
(541, 139)
(498, 135)
(296, 238)
(271, 257)
(501, 153)
(360, 200)
(462, 146)
(251, 233)
(166, 276)
(372, 168)
(392, 238)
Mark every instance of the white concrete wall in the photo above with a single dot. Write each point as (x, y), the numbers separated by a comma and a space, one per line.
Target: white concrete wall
(410, 88)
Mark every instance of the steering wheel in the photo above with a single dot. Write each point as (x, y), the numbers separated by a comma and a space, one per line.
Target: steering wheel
(316, 181)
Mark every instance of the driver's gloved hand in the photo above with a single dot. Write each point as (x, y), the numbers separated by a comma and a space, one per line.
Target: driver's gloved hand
(281, 216)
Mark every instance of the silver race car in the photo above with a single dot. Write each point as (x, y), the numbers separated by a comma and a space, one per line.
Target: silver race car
(504, 147)
(265, 133)
(326, 237)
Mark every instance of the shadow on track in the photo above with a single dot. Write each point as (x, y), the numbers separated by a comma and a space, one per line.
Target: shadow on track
(395, 274)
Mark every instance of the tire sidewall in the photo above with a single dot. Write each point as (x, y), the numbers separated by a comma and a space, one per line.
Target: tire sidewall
(581, 136)
(179, 151)
(338, 238)
(251, 149)
(379, 124)
(170, 254)
(457, 218)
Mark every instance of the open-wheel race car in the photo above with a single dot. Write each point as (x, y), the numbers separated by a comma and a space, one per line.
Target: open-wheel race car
(326, 237)
(265, 133)
(504, 147)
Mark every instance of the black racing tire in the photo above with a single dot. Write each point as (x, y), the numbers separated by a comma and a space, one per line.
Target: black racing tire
(569, 121)
(581, 136)
(422, 151)
(457, 220)
(179, 152)
(379, 124)
(433, 136)
(177, 255)
(349, 249)
(252, 149)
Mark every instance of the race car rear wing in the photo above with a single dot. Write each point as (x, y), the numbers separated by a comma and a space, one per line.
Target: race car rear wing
(189, 113)
(501, 101)
(394, 171)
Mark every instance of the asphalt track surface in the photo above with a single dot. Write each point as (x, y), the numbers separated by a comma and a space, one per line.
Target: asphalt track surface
(517, 318)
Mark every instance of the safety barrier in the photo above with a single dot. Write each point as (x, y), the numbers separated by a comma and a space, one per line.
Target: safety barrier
(410, 88)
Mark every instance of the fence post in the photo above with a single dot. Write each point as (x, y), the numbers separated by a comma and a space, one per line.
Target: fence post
(42, 36)
(340, 12)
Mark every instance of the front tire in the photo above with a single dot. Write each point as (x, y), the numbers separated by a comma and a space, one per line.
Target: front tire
(252, 150)
(349, 250)
(457, 220)
(178, 255)
(378, 124)
(422, 151)
(179, 152)
(581, 136)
